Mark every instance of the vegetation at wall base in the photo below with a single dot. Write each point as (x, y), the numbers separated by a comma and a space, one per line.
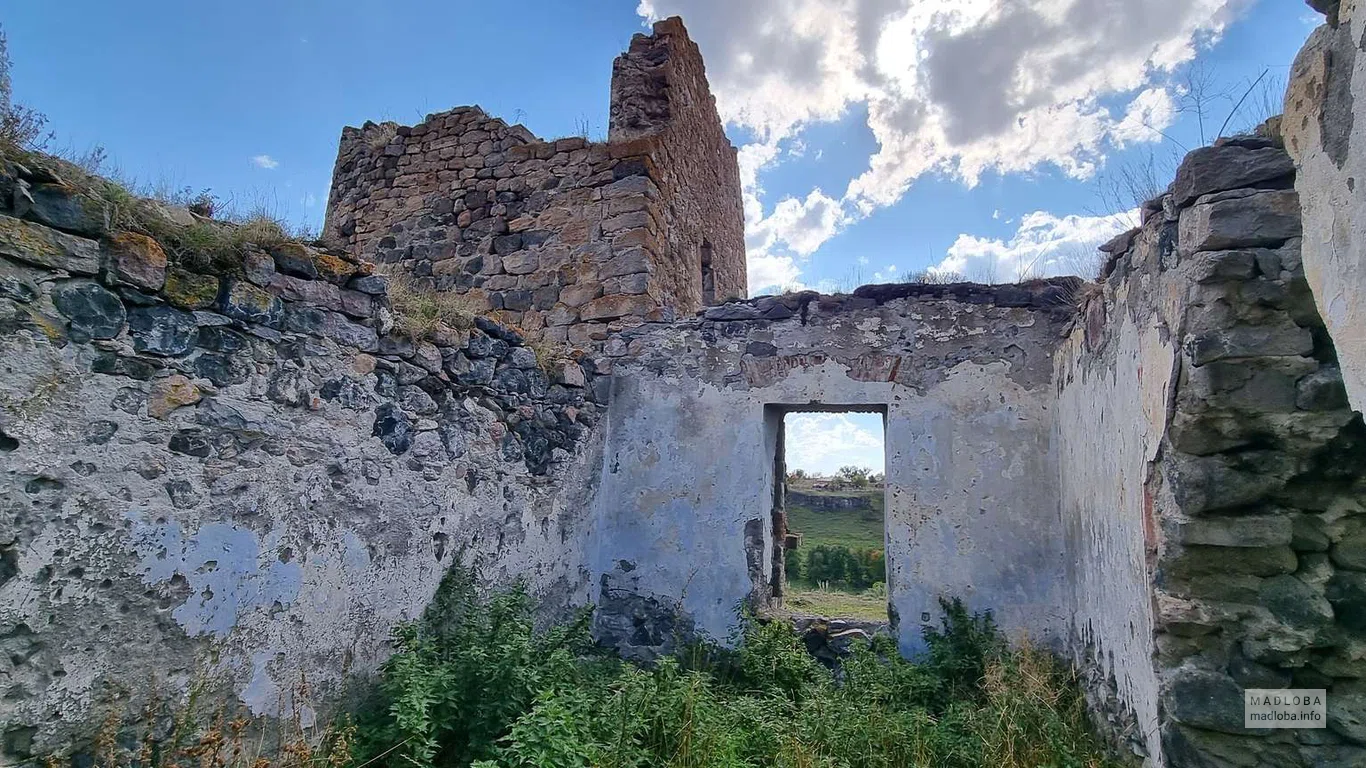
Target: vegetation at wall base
(476, 685)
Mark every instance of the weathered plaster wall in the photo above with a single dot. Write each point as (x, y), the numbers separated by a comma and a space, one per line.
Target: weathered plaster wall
(1114, 377)
(1210, 477)
(964, 373)
(241, 475)
(566, 239)
(1327, 138)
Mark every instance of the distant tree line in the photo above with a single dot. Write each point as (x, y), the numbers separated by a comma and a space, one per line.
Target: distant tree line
(848, 477)
(839, 566)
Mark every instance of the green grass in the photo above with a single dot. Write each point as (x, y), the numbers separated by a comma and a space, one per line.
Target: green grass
(852, 528)
(833, 603)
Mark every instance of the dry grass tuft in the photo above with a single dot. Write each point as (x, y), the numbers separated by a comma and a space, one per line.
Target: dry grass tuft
(378, 135)
(1034, 711)
(420, 309)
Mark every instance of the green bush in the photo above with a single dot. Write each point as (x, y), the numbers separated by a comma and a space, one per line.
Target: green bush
(475, 684)
(837, 565)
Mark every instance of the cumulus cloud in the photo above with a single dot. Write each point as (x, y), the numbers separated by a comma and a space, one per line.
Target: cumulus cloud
(958, 87)
(1044, 245)
(821, 443)
(265, 161)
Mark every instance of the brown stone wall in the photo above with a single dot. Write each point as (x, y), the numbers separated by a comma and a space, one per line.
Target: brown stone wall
(564, 239)
(660, 92)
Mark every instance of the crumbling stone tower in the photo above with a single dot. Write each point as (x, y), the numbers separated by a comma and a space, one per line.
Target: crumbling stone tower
(567, 239)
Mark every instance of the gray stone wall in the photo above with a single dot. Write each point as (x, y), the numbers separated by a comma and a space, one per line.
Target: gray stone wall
(1210, 477)
(964, 374)
(567, 240)
(236, 474)
(1327, 138)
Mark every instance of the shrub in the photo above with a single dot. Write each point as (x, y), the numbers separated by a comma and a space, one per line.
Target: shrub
(475, 685)
(838, 565)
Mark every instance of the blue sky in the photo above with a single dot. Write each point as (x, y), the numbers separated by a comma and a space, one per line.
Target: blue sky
(821, 443)
(878, 137)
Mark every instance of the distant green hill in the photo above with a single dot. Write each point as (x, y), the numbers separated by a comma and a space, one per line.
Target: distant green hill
(852, 528)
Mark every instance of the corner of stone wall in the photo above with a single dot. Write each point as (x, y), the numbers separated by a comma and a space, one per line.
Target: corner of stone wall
(1238, 523)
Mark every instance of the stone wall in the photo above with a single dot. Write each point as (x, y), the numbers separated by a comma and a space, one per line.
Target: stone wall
(660, 99)
(1324, 134)
(1210, 477)
(237, 473)
(684, 529)
(567, 239)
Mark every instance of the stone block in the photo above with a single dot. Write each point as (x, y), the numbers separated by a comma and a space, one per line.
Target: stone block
(1261, 219)
(612, 307)
(1296, 604)
(331, 268)
(628, 262)
(1350, 552)
(136, 260)
(93, 312)
(629, 285)
(1228, 167)
(1219, 266)
(63, 207)
(38, 245)
(258, 266)
(1195, 562)
(1346, 591)
(1322, 390)
(247, 303)
(1239, 531)
(162, 330)
(295, 259)
(1282, 338)
(170, 393)
(190, 290)
(1205, 699)
(626, 221)
(521, 262)
(315, 292)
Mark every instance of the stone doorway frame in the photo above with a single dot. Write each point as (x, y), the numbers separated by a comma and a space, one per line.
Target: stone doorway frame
(772, 586)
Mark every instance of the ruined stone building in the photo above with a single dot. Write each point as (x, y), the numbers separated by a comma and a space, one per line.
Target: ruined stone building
(246, 467)
(567, 239)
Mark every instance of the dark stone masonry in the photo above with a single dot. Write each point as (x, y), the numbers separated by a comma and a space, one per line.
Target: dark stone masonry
(232, 462)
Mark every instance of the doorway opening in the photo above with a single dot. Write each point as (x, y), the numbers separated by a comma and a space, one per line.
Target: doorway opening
(708, 276)
(829, 506)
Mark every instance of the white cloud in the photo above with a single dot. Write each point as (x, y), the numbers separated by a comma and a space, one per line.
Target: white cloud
(769, 273)
(265, 161)
(1148, 114)
(1042, 246)
(821, 443)
(794, 230)
(960, 87)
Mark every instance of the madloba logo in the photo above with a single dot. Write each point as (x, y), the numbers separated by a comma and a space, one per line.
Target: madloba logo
(1285, 708)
